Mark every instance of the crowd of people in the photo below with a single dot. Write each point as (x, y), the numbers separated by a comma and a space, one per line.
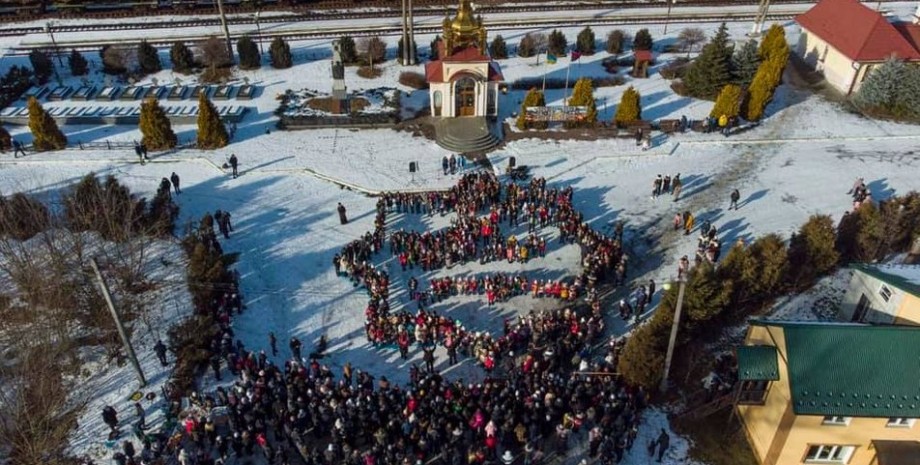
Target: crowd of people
(529, 405)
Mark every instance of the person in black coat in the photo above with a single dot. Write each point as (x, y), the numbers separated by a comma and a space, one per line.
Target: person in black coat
(664, 441)
(342, 218)
(160, 350)
(233, 164)
(174, 178)
(110, 417)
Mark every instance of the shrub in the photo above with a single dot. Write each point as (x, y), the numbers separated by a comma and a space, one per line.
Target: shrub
(728, 103)
(22, 217)
(368, 72)
(811, 252)
(413, 80)
(373, 50)
(181, 57)
(860, 235)
(629, 109)
(214, 52)
(114, 60)
(643, 40)
(616, 42)
(280, 53)
(349, 50)
(675, 69)
(399, 51)
(215, 75)
(498, 49)
(557, 43)
(534, 98)
(211, 131)
(155, 126)
(611, 81)
(248, 50)
(148, 59)
(42, 65)
(680, 88)
(6, 141)
(584, 44)
(45, 132)
(78, 64)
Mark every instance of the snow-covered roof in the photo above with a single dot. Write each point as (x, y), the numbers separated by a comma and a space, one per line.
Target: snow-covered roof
(904, 277)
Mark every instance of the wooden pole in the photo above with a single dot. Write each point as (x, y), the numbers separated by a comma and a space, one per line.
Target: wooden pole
(118, 325)
(674, 326)
(223, 23)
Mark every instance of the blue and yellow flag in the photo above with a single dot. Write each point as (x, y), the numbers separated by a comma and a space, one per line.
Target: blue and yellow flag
(550, 58)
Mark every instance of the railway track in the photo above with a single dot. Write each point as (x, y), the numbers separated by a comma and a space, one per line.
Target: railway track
(391, 29)
(325, 15)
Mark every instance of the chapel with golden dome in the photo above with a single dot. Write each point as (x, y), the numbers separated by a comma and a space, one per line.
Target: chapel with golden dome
(464, 80)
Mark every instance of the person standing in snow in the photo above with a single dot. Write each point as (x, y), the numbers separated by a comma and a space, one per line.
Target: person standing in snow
(735, 197)
(445, 164)
(233, 165)
(110, 417)
(676, 186)
(342, 218)
(174, 178)
(295, 345)
(273, 342)
(664, 441)
(160, 350)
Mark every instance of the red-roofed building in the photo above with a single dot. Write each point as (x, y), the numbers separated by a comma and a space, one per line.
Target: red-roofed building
(844, 40)
(464, 81)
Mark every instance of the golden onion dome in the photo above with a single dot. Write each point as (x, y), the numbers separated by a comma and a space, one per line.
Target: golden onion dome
(464, 22)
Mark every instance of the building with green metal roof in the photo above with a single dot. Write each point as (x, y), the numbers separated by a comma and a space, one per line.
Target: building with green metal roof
(830, 392)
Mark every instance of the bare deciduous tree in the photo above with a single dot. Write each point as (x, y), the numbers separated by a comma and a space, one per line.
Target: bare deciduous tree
(214, 52)
(689, 37)
(372, 49)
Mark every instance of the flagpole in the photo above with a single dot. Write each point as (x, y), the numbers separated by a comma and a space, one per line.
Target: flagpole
(566, 96)
(544, 74)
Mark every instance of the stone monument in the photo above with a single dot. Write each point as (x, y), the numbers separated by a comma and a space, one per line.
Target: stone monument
(339, 93)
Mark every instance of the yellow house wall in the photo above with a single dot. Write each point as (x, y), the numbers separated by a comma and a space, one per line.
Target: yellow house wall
(909, 312)
(808, 430)
(838, 69)
(761, 421)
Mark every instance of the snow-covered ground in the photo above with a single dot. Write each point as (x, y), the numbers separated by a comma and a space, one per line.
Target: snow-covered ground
(799, 162)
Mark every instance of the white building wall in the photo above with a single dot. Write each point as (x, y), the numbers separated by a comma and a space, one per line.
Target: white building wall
(881, 311)
(838, 70)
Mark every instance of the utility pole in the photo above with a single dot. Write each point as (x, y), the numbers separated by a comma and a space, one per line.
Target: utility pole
(674, 326)
(223, 23)
(761, 17)
(259, 31)
(405, 33)
(411, 42)
(667, 18)
(118, 325)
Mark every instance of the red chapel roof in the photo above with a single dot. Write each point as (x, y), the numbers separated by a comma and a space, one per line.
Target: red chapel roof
(857, 31)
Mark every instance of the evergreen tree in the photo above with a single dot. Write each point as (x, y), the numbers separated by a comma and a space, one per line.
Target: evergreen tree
(909, 101)
(250, 58)
(811, 252)
(583, 96)
(712, 68)
(881, 90)
(641, 362)
(155, 127)
(45, 132)
(728, 103)
(433, 54)
(534, 98)
(860, 235)
(399, 51)
(643, 40)
(498, 50)
(348, 49)
(745, 62)
(706, 295)
(6, 141)
(42, 65)
(181, 57)
(161, 216)
(281, 54)
(148, 59)
(557, 43)
(211, 131)
(527, 47)
(768, 77)
(584, 44)
(774, 45)
(78, 64)
(756, 273)
(22, 217)
(630, 108)
(616, 42)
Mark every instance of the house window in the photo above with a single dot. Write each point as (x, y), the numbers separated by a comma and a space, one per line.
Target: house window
(838, 421)
(900, 422)
(885, 292)
(862, 309)
(753, 392)
(828, 454)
